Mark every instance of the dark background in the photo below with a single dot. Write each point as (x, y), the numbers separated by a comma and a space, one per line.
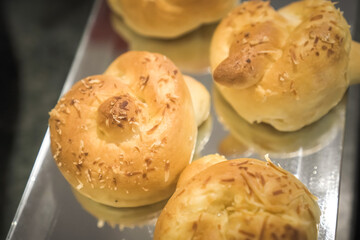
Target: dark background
(38, 41)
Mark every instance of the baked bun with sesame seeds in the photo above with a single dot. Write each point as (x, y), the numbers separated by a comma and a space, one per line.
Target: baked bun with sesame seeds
(122, 138)
(286, 68)
(238, 199)
(169, 18)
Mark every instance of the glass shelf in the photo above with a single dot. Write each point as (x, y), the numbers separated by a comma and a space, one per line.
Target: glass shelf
(50, 210)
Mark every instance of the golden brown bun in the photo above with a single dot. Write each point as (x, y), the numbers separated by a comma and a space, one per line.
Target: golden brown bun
(287, 68)
(240, 199)
(190, 52)
(169, 18)
(123, 138)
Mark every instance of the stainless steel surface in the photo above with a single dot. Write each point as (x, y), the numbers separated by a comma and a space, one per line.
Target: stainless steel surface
(50, 210)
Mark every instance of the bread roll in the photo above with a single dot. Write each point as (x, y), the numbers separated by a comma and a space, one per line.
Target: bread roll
(287, 68)
(122, 138)
(239, 199)
(169, 18)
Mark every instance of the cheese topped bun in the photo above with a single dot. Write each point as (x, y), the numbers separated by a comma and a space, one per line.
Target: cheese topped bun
(238, 199)
(287, 68)
(122, 138)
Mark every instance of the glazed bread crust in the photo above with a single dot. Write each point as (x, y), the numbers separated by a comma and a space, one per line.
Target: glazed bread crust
(169, 18)
(286, 68)
(115, 137)
(239, 199)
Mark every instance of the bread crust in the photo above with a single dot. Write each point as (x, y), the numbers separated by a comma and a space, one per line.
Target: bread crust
(286, 68)
(115, 137)
(239, 199)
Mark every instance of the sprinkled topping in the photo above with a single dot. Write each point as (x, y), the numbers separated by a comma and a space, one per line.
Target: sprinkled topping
(75, 104)
(144, 81)
(228, 180)
(134, 173)
(88, 175)
(151, 130)
(58, 150)
(172, 97)
(79, 186)
(95, 81)
(167, 172)
(206, 182)
(277, 192)
(85, 84)
(283, 76)
(317, 17)
(293, 57)
(262, 179)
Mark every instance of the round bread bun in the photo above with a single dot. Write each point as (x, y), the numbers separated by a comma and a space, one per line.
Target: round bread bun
(261, 138)
(190, 52)
(122, 138)
(169, 18)
(239, 199)
(287, 68)
(121, 217)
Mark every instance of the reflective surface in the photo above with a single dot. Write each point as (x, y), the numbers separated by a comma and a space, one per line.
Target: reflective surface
(50, 210)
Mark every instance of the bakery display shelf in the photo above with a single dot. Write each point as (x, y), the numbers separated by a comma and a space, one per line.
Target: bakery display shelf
(49, 209)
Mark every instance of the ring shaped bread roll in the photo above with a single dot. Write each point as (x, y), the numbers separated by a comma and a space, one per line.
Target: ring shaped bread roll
(123, 138)
(169, 18)
(238, 199)
(286, 68)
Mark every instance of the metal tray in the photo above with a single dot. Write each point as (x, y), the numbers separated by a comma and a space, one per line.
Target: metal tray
(50, 210)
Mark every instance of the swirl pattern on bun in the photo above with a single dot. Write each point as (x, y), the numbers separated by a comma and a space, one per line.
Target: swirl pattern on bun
(287, 68)
(122, 138)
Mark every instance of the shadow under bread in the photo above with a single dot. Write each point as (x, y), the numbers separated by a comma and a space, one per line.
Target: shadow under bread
(189, 52)
(260, 138)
